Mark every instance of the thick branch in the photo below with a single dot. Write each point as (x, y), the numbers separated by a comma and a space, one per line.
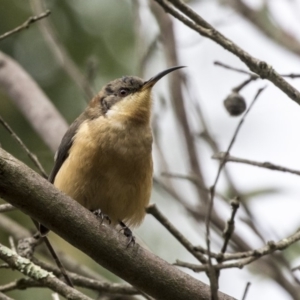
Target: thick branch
(26, 190)
(32, 102)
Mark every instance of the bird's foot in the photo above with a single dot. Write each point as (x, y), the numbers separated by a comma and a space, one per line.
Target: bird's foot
(100, 215)
(128, 233)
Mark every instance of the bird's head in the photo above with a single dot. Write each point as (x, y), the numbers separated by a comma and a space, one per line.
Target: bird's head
(127, 98)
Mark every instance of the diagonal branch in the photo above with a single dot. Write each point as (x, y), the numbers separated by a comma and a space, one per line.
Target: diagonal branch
(265, 165)
(35, 272)
(197, 23)
(32, 194)
(25, 25)
(32, 156)
(153, 210)
(32, 102)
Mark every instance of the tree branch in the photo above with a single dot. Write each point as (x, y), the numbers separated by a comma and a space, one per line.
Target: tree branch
(197, 23)
(26, 190)
(35, 272)
(32, 102)
(25, 25)
(265, 165)
(153, 210)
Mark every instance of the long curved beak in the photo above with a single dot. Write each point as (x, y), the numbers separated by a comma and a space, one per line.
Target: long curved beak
(151, 82)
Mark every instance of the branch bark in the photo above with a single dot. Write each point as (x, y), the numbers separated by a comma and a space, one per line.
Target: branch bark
(26, 190)
(35, 272)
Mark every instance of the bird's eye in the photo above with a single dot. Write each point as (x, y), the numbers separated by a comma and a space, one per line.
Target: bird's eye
(123, 92)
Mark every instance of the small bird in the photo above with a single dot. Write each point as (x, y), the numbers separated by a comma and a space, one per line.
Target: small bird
(104, 161)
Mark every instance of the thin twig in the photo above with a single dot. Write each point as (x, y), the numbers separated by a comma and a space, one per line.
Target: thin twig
(101, 286)
(153, 210)
(238, 88)
(18, 232)
(212, 189)
(225, 66)
(28, 268)
(19, 284)
(265, 165)
(26, 24)
(193, 178)
(54, 256)
(37, 163)
(23, 146)
(246, 257)
(291, 75)
(89, 283)
(208, 137)
(246, 290)
(230, 224)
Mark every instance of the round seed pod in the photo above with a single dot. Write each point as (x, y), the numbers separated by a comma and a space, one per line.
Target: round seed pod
(235, 104)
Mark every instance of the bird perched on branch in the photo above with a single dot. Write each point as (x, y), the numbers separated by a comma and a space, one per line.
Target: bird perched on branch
(104, 161)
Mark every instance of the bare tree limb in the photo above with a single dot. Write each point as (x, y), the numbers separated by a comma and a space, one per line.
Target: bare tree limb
(25, 25)
(32, 102)
(26, 267)
(89, 283)
(249, 257)
(29, 192)
(18, 232)
(153, 210)
(32, 156)
(213, 188)
(197, 23)
(228, 231)
(246, 290)
(225, 66)
(265, 165)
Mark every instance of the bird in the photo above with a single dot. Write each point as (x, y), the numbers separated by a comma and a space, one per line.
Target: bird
(104, 161)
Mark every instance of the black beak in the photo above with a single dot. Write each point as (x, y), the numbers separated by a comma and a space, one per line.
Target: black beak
(150, 83)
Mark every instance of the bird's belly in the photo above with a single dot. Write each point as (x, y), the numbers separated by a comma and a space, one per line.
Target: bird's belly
(123, 197)
(117, 183)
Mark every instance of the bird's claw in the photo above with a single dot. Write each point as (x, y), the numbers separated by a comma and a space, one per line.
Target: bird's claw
(100, 215)
(128, 233)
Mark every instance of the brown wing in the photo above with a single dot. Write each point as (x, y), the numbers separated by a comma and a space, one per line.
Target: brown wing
(61, 155)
